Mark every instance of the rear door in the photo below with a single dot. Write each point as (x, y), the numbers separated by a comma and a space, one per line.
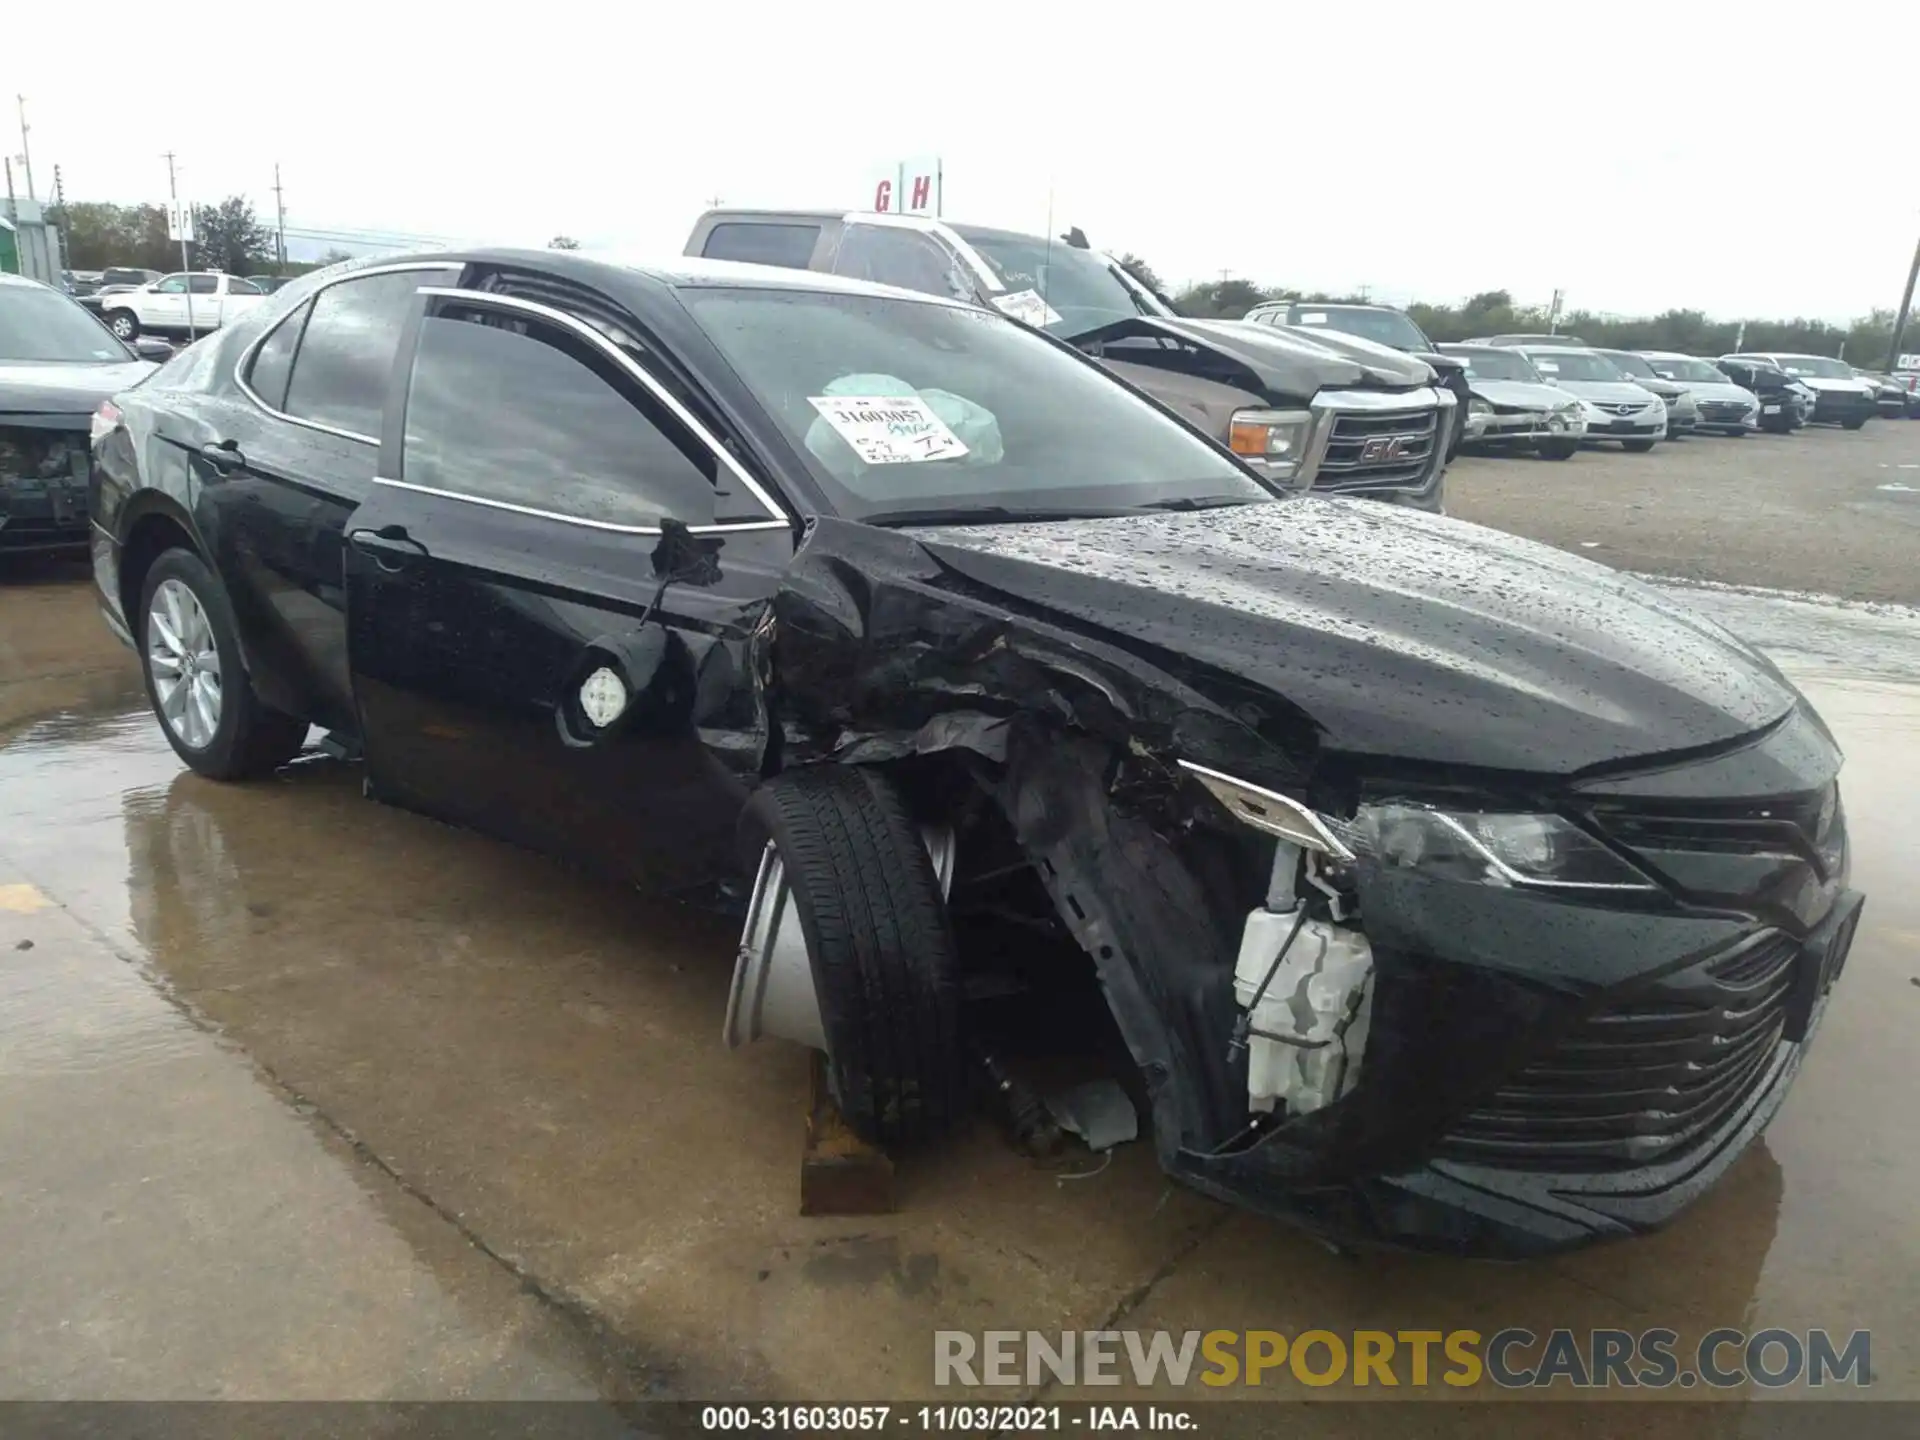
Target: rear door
(201, 306)
(517, 661)
(303, 441)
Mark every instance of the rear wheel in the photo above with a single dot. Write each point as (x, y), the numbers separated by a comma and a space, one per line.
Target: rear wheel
(124, 324)
(885, 967)
(1639, 447)
(190, 659)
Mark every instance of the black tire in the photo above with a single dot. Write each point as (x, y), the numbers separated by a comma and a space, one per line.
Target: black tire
(1638, 447)
(1558, 449)
(1858, 422)
(885, 965)
(124, 324)
(250, 738)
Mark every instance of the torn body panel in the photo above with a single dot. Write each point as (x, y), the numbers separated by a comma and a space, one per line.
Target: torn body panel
(1073, 676)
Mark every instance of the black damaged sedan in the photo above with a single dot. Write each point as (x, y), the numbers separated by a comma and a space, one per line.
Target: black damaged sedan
(1446, 890)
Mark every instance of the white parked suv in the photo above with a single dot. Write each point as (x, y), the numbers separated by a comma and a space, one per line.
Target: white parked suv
(190, 303)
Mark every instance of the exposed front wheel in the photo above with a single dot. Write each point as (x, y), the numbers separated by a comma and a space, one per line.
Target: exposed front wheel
(190, 659)
(124, 324)
(1639, 447)
(1558, 449)
(838, 847)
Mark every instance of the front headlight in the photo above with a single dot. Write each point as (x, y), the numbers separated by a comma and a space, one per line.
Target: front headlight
(1486, 847)
(1271, 440)
(1491, 848)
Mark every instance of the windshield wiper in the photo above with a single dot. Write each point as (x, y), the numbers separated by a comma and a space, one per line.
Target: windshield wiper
(1206, 502)
(992, 514)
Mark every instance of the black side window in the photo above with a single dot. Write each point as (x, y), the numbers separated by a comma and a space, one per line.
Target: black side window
(273, 361)
(237, 286)
(790, 246)
(203, 284)
(905, 258)
(530, 413)
(346, 355)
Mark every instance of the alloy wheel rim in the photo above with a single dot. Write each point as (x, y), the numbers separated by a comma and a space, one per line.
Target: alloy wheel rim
(122, 329)
(184, 663)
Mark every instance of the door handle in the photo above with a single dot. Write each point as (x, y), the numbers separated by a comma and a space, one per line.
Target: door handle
(390, 546)
(224, 457)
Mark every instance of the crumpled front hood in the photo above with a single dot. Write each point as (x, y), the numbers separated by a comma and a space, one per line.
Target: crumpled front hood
(1287, 366)
(1523, 394)
(1398, 634)
(41, 389)
(1829, 383)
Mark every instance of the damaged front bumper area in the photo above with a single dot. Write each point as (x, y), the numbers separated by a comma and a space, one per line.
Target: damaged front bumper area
(43, 488)
(1386, 1050)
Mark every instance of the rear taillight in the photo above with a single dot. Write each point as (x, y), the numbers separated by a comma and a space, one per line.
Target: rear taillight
(105, 421)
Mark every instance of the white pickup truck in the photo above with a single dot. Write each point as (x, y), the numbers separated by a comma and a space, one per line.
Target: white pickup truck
(189, 303)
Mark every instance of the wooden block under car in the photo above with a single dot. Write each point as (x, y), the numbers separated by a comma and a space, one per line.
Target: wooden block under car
(840, 1174)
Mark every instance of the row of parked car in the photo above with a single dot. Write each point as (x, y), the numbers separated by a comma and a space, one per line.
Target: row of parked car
(135, 301)
(1552, 393)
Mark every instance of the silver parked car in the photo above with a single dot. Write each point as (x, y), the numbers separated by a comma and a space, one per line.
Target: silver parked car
(1725, 408)
(1616, 408)
(1512, 406)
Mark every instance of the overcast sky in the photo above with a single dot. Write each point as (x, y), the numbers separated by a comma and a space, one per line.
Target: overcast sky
(1640, 157)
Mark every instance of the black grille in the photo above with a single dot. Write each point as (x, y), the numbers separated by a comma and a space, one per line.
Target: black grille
(1723, 409)
(1379, 449)
(1646, 1076)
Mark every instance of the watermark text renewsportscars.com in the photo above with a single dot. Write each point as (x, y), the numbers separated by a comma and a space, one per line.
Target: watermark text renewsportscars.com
(1510, 1359)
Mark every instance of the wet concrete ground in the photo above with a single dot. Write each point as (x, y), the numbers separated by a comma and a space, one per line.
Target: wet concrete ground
(300, 1095)
(1828, 510)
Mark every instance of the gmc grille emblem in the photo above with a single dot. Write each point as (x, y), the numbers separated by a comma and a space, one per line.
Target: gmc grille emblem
(1384, 449)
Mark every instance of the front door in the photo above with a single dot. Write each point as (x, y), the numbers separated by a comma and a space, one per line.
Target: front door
(520, 661)
(164, 307)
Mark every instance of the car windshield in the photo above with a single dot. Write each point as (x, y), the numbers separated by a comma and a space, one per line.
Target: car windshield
(1385, 327)
(1817, 366)
(44, 325)
(1687, 368)
(1078, 285)
(1496, 365)
(910, 410)
(1557, 365)
(1633, 365)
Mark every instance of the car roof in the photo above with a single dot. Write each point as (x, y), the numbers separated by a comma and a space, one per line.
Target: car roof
(1336, 305)
(21, 282)
(672, 271)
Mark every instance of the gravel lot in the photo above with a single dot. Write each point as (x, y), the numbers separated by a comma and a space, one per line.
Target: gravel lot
(1831, 511)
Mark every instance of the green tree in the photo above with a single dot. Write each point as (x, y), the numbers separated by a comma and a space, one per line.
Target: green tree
(98, 235)
(1222, 299)
(1141, 271)
(229, 237)
(563, 242)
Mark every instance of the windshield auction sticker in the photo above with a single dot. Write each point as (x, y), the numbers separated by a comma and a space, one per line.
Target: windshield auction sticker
(1028, 306)
(889, 429)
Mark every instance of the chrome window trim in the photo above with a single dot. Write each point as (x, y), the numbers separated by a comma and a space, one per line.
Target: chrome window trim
(245, 360)
(540, 514)
(778, 519)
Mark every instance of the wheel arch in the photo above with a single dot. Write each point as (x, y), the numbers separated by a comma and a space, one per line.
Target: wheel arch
(152, 523)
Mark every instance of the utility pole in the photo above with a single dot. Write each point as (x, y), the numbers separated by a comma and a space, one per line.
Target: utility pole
(280, 224)
(26, 150)
(173, 197)
(1900, 318)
